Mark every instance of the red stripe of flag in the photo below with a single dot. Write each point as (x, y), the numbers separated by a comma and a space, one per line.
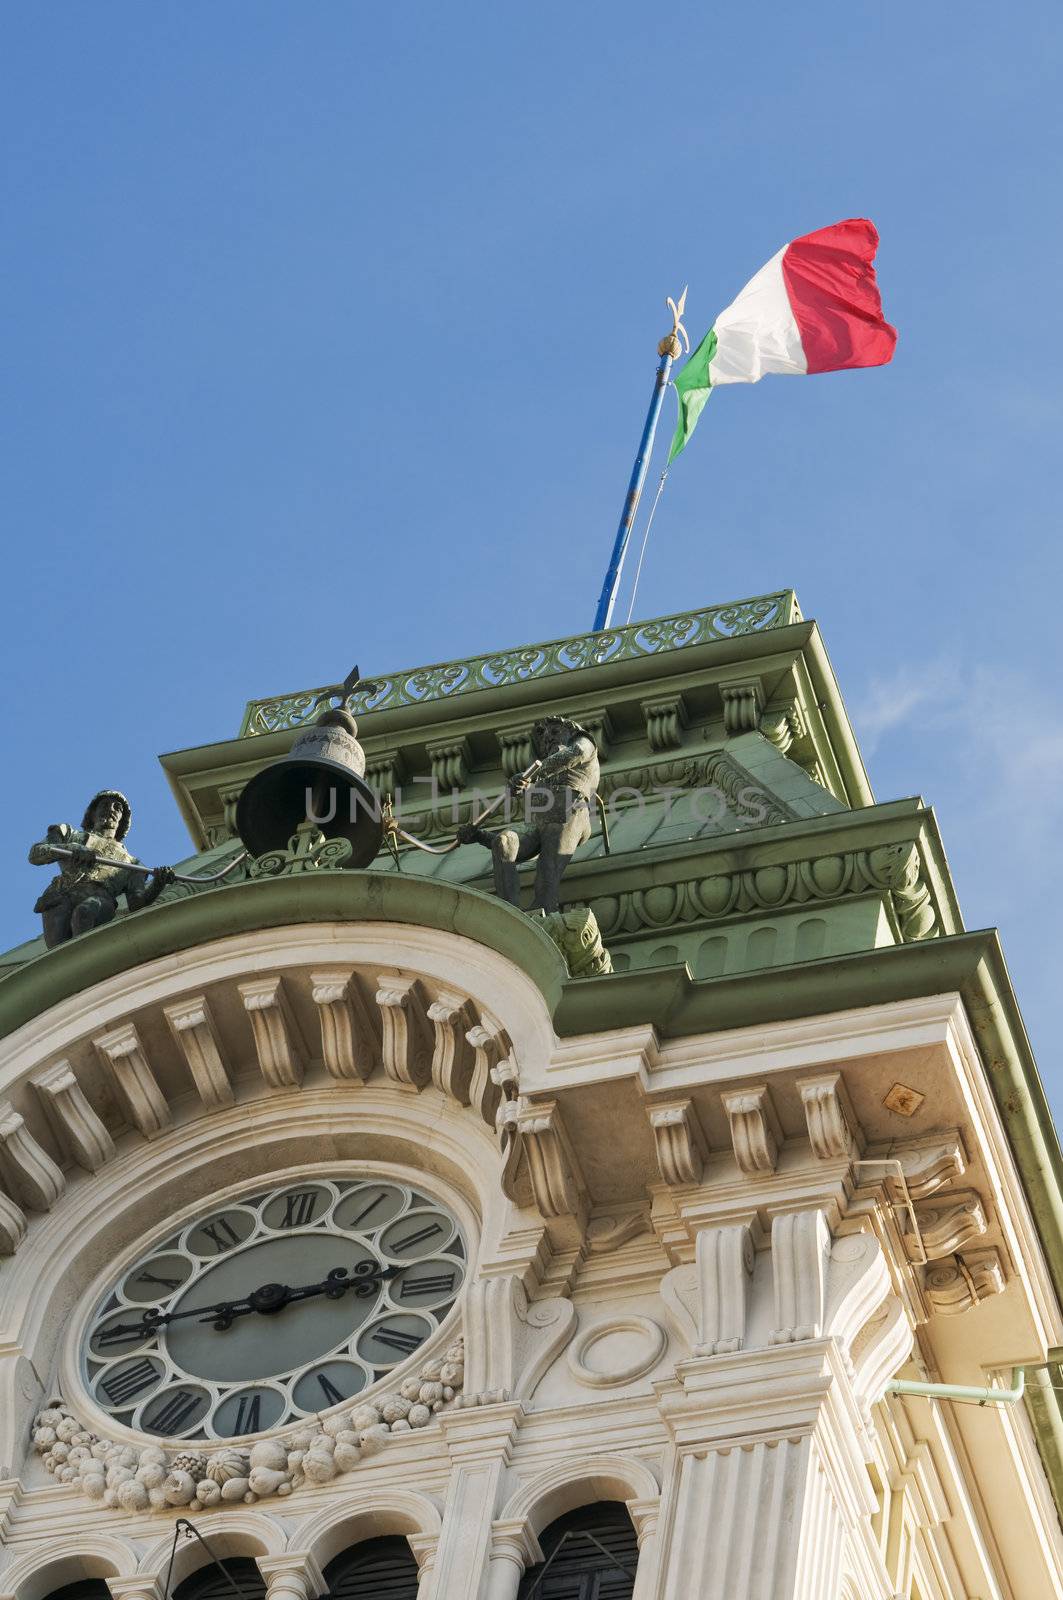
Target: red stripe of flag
(830, 280)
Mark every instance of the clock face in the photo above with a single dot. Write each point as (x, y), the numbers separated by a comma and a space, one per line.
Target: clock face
(274, 1307)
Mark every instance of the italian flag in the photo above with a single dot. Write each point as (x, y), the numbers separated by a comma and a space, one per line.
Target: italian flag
(815, 307)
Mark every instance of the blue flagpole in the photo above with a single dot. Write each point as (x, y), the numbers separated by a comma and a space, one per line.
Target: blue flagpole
(668, 349)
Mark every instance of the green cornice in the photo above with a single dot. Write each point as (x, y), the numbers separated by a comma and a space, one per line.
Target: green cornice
(355, 897)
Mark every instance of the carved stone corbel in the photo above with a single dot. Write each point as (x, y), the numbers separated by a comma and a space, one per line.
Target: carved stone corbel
(857, 1284)
(145, 1103)
(928, 1164)
(742, 704)
(453, 1057)
(832, 1126)
(451, 762)
(679, 1140)
(491, 1046)
(962, 1282)
(665, 720)
(78, 1128)
(197, 1038)
(724, 1261)
(350, 1032)
(754, 1129)
(278, 1042)
(947, 1223)
(515, 749)
(800, 1256)
(552, 1165)
(385, 770)
(12, 1225)
(406, 1044)
(28, 1171)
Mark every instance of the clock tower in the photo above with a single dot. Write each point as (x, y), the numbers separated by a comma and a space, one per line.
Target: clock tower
(554, 1136)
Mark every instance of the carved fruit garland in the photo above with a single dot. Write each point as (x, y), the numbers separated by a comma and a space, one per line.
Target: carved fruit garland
(137, 1477)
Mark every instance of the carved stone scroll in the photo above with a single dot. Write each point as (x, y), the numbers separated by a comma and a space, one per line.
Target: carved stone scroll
(725, 1271)
(552, 1163)
(121, 1050)
(78, 1128)
(350, 1033)
(828, 1115)
(509, 1342)
(407, 1033)
(453, 1057)
(491, 1048)
(12, 1225)
(928, 1164)
(800, 1255)
(858, 1283)
(680, 1142)
(28, 1171)
(278, 1042)
(193, 1028)
(754, 1127)
(962, 1282)
(947, 1223)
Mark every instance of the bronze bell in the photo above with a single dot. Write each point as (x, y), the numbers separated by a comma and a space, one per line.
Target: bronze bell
(320, 780)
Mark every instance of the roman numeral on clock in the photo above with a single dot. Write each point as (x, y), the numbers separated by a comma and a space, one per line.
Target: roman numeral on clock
(123, 1386)
(419, 1237)
(329, 1390)
(171, 1418)
(215, 1230)
(248, 1412)
(440, 1283)
(124, 1333)
(164, 1283)
(299, 1208)
(397, 1339)
(371, 1207)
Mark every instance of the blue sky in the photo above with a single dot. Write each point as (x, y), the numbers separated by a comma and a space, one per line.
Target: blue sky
(329, 331)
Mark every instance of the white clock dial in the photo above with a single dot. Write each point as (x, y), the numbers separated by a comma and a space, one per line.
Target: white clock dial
(274, 1307)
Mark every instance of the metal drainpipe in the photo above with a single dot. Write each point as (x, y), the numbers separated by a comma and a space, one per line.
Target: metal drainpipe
(958, 1391)
(895, 1167)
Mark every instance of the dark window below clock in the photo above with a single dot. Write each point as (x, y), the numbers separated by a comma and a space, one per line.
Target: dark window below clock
(376, 1569)
(84, 1589)
(590, 1554)
(210, 1582)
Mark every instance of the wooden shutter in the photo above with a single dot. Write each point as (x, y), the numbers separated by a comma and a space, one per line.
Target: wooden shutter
(578, 1567)
(210, 1582)
(376, 1569)
(84, 1589)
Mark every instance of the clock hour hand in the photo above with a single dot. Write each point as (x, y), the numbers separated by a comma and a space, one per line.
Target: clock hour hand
(272, 1297)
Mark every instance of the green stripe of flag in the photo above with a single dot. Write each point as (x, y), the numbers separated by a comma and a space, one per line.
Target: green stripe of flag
(693, 389)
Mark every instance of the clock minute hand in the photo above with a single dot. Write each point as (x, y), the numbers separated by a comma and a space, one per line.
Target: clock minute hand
(273, 1297)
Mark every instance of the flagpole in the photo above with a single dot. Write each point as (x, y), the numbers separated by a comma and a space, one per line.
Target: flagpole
(668, 349)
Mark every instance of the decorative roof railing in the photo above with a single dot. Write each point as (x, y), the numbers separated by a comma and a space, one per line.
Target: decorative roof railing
(451, 678)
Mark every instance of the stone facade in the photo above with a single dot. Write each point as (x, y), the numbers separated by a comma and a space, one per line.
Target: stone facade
(710, 1215)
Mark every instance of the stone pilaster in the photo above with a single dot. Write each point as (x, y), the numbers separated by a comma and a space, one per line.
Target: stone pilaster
(480, 1443)
(770, 1475)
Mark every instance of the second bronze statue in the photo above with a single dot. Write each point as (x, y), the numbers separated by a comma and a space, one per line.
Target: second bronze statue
(558, 813)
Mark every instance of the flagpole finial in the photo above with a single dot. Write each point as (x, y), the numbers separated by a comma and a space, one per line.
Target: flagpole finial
(670, 345)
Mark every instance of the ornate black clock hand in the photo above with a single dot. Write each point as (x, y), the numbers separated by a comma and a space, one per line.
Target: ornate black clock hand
(269, 1298)
(272, 1297)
